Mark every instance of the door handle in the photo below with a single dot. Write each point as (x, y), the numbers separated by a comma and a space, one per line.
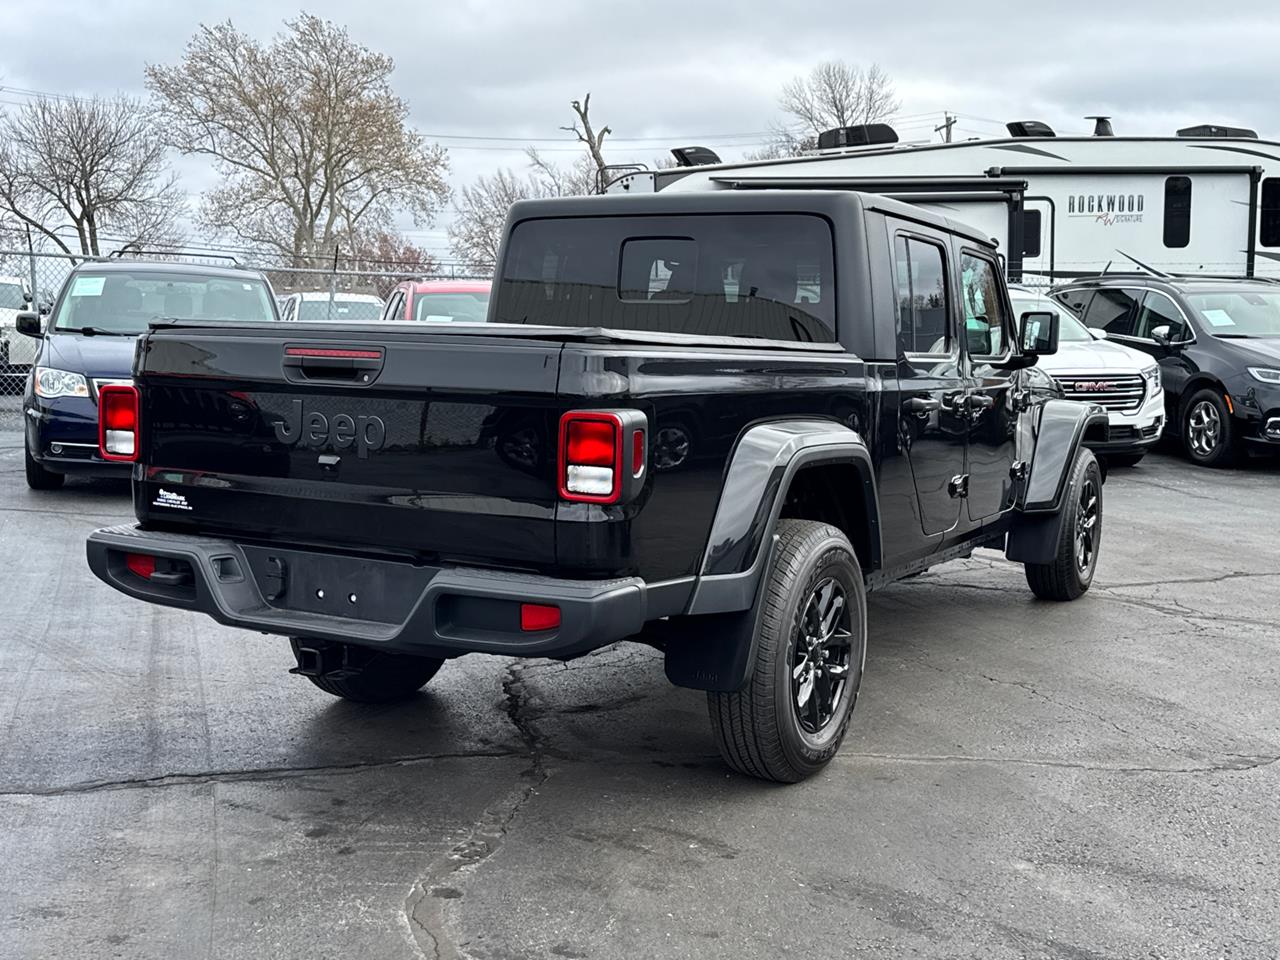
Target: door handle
(921, 405)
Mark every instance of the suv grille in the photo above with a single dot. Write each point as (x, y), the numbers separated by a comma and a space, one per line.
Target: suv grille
(1123, 392)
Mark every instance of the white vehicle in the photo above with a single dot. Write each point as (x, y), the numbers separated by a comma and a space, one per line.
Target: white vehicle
(1204, 201)
(1088, 367)
(323, 305)
(16, 351)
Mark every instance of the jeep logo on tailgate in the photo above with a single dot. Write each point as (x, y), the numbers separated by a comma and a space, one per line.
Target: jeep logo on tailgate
(314, 429)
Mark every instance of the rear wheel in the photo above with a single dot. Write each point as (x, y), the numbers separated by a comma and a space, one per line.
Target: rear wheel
(1207, 432)
(790, 718)
(1070, 572)
(38, 478)
(363, 675)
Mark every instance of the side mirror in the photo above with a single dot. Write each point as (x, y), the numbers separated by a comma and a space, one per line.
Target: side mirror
(28, 323)
(1161, 334)
(1098, 333)
(1039, 336)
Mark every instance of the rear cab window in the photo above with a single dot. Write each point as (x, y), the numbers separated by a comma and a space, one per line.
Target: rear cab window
(761, 276)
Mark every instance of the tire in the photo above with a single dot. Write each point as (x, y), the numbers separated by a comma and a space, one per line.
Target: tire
(38, 478)
(1208, 435)
(1123, 459)
(1070, 573)
(759, 728)
(381, 677)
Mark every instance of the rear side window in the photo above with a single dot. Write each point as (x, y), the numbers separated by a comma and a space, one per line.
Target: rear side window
(1269, 213)
(1112, 310)
(1177, 211)
(768, 276)
(922, 297)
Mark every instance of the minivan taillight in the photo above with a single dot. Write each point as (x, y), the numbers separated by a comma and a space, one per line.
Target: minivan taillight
(601, 455)
(118, 422)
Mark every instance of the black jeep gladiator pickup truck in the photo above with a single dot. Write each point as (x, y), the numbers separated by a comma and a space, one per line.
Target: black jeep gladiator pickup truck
(707, 422)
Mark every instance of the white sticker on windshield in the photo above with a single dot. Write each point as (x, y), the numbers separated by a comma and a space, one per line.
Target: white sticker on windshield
(88, 286)
(1219, 318)
(437, 318)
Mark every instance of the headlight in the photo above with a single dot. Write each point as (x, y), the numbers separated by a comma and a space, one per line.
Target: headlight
(1153, 376)
(51, 383)
(1265, 374)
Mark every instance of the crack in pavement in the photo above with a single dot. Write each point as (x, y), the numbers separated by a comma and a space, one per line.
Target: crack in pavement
(424, 907)
(1242, 762)
(244, 775)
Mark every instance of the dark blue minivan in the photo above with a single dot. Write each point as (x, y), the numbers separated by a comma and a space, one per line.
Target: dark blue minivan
(89, 342)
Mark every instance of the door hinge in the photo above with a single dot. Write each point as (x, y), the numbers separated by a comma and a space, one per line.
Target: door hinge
(958, 486)
(1018, 471)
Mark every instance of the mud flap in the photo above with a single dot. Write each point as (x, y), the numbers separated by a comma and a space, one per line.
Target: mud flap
(1034, 537)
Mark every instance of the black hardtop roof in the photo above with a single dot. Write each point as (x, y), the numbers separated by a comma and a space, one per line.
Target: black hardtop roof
(167, 266)
(833, 204)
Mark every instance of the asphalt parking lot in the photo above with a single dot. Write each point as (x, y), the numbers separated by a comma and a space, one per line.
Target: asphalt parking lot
(1022, 779)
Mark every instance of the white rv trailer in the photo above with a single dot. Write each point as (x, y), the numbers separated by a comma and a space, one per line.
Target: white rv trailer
(1206, 201)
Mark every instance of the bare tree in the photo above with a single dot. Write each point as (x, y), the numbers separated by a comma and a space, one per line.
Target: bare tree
(833, 94)
(88, 175)
(311, 141)
(586, 134)
(480, 211)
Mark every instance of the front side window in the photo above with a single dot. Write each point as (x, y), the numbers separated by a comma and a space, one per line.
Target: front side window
(985, 323)
(1269, 213)
(123, 302)
(1159, 311)
(1177, 211)
(923, 325)
(1113, 310)
(768, 276)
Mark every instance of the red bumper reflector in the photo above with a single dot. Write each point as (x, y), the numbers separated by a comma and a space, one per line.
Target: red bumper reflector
(538, 616)
(143, 564)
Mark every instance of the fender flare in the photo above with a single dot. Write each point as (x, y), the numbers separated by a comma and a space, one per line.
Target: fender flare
(1060, 430)
(712, 648)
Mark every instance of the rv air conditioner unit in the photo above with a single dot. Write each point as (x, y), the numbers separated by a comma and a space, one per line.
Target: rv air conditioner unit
(694, 156)
(1213, 130)
(863, 135)
(1029, 128)
(1101, 126)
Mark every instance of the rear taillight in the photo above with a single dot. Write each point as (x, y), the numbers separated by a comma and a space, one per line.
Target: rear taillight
(601, 455)
(118, 422)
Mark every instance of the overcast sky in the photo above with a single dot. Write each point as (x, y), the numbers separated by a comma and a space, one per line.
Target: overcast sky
(666, 73)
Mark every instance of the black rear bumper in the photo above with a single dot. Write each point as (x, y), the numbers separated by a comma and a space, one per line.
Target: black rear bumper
(441, 611)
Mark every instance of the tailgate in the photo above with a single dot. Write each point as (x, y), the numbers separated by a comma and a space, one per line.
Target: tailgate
(426, 443)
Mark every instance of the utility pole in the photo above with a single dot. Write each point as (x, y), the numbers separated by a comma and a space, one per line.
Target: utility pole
(948, 121)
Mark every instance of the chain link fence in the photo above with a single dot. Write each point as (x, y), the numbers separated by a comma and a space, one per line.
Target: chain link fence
(31, 282)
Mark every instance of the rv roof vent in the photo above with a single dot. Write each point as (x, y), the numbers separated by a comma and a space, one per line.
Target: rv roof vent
(863, 135)
(1213, 130)
(1029, 128)
(1102, 126)
(694, 156)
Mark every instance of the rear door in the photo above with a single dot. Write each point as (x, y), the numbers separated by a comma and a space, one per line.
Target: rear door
(988, 402)
(931, 424)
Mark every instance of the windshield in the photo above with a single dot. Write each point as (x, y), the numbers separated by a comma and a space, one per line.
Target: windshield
(124, 302)
(339, 308)
(1070, 330)
(1239, 312)
(451, 307)
(767, 276)
(11, 297)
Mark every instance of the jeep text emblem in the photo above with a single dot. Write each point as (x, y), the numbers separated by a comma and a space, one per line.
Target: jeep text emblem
(314, 429)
